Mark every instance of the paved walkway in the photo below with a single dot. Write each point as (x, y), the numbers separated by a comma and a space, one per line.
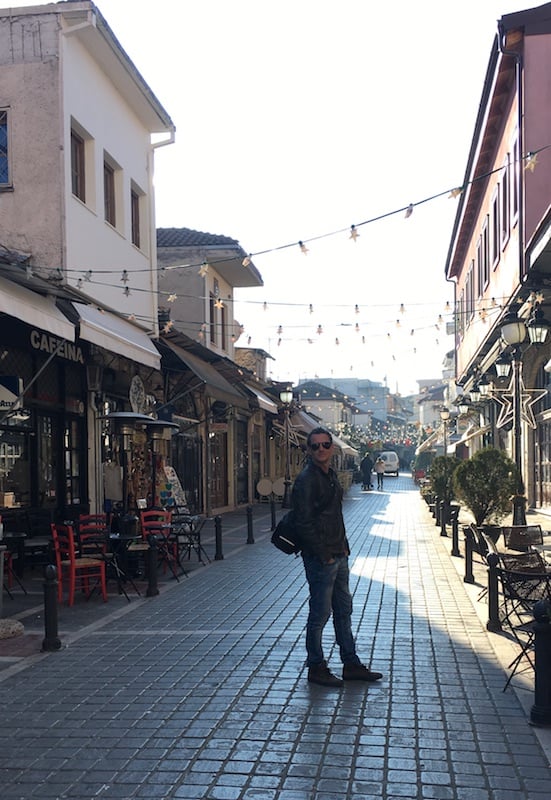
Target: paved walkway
(201, 692)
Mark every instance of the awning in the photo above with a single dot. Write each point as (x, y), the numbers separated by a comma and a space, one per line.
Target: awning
(346, 448)
(468, 435)
(214, 384)
(34, 309)
(428, 444)
(304, 422)
(264, 402)
(117, 335)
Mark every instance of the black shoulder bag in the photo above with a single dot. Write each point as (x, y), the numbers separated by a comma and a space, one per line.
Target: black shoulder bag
(285, 535)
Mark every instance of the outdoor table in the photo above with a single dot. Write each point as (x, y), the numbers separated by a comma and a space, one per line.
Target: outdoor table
(119, 545)
(15, 541)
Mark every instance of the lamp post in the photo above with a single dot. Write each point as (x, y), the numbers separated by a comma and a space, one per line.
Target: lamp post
(513, 333)
(286, 397)
(445, 416)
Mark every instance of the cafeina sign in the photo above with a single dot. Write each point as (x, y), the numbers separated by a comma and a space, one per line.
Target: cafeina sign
(61, 347)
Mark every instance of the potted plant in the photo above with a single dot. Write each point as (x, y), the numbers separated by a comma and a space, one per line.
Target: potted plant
(485, 484)
(441, 481)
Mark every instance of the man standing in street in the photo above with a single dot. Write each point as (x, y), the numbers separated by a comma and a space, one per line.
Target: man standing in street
(366, 467)
(317, 504)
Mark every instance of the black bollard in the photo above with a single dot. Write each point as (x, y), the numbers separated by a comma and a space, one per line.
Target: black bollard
(250, 537)
(51, 639)
(493, 623)
(444, 515)
(273, 512)
(469, 545)
(218, 555)
(540, 713)
(455, 533)
(152, 558)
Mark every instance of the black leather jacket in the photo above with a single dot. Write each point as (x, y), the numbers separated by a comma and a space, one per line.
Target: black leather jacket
(317, 505)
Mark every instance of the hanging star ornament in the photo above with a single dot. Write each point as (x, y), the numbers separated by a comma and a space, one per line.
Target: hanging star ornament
(528, 399)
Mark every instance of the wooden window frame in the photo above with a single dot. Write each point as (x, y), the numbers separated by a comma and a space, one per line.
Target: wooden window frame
(78, 166)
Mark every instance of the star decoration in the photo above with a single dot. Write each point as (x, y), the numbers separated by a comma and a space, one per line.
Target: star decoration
(531, 162)
(455, 192)
(171, 298)
(528, 399)
(353, 233)
(203, 269)
(219, 304)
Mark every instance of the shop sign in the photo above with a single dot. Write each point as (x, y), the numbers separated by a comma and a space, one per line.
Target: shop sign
(11, 387)
(219, 427)
(50, 344)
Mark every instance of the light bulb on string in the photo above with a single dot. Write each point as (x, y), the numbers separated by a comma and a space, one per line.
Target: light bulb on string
(409, 211)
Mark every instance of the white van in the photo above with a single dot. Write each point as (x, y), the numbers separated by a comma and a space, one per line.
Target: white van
(392, 462)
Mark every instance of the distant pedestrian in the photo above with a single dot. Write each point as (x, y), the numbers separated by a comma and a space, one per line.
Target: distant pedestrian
(317, 505)
(366, 468)
(380, 470)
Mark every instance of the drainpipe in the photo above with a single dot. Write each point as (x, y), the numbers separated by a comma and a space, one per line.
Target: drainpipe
(520, 124)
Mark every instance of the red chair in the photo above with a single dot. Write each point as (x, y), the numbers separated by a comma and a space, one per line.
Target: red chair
(75, 569)
(159, 522)
(92, 535)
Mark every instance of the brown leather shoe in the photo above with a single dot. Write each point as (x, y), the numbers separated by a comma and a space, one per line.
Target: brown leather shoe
(322, 675)
(358, 672)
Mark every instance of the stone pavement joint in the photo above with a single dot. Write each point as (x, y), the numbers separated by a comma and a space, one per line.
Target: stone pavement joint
(201, 692)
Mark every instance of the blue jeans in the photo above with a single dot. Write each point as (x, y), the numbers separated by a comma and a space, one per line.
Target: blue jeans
(329, 592)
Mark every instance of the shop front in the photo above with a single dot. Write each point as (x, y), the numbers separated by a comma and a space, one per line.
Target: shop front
(42, 419)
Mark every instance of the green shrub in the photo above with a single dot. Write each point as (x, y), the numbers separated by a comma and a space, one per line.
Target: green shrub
(486, 483)
(441, 477)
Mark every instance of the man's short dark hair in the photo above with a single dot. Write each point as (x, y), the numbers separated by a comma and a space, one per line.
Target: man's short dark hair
(316, 431)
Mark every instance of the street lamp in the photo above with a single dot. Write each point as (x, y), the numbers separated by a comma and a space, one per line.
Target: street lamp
(513, 333)
(445, 416)
(286, 397)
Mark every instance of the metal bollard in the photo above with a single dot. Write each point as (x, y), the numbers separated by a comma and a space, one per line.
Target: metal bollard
(444, 512)
(540, 713)
(469, 544)
(218, 555)
(455, 537)
(493, 623)
(250, 537)
(51, 640)
(151, 566)
(273, 512)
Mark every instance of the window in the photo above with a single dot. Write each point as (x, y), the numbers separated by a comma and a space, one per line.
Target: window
(4, 162)
(78, 181)
(485, 255)
(223, 327)
(469, 297)
(505, 202)
(515, 180)
(109, 193)
(495, 233)
(212, 319)
(135, 217)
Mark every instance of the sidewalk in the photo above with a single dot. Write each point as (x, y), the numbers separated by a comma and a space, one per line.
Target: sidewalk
(201, 692)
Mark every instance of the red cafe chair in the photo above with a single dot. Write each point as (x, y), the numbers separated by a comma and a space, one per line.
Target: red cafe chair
(73, 569)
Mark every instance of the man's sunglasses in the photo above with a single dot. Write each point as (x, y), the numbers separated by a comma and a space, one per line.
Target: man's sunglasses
(316, 445)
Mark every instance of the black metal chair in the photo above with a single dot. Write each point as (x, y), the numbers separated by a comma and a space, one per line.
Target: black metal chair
(522, 537)
(187, 528)
(521, 588)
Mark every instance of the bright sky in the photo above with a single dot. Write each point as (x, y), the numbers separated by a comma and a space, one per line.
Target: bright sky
(298, 119)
